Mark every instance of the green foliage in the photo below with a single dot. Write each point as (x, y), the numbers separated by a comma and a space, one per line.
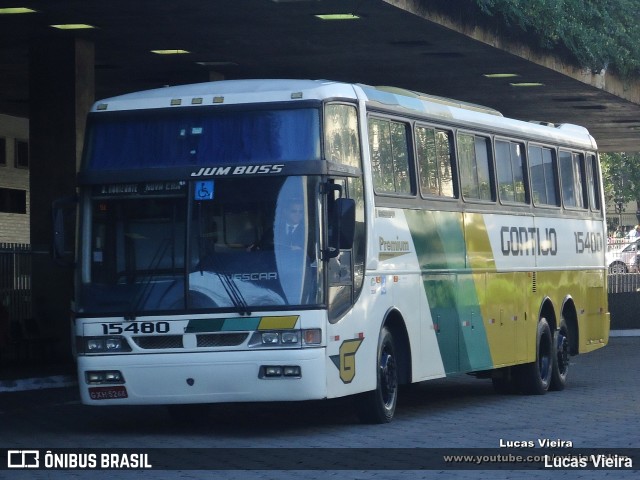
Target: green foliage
(621, 177)
(599, 34)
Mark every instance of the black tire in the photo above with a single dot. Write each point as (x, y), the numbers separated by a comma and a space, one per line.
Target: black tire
(560, 366)
(535, 377)
(379, 405)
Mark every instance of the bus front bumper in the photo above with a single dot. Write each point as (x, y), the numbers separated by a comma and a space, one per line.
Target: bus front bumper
(213, 377)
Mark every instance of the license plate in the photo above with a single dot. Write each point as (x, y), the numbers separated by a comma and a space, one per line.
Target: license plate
(108, 393)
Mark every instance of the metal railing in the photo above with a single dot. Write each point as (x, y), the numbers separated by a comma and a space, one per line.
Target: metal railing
(624, 282)
(15, 280)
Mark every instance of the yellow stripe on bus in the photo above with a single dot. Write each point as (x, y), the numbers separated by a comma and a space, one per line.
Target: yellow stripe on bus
(278, 323)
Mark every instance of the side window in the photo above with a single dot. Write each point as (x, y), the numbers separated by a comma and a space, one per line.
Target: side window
(346, 270)
(342, 143)
(510, 167)
(572, 177)
(544, 178)
(475, 175)
(13, 200)
(434, 161)
(21, 154)
(593, 185)
(388, 143)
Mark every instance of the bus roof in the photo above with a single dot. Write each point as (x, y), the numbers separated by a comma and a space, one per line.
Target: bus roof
(400, 100)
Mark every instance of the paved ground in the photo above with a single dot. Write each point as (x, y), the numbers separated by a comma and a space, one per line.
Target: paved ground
(599, 410)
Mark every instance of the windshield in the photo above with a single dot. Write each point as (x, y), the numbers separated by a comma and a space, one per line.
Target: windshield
(201, 137)
(233, 244)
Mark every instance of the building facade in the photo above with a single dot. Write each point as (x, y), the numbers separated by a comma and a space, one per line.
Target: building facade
(14, 179)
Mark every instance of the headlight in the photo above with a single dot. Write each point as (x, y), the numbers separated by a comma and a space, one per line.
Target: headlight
(90, 345)
(290, 337)
(286, 338)
(270, 338)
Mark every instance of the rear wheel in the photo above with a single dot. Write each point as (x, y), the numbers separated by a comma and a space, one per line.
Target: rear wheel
(560, 366)
(379, 405)
(535, 377)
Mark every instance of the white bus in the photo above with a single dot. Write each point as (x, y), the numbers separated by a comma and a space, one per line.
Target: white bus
(432, 238)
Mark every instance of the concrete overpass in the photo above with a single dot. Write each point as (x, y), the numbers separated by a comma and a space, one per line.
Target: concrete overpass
(51, 75)
(393, 42)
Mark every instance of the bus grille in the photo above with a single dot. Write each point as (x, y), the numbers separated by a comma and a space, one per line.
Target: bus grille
(160, 342)
(221, 339)
(205, 340)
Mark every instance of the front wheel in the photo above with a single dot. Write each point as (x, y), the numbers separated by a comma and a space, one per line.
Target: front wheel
(379, 405)
(535, 377)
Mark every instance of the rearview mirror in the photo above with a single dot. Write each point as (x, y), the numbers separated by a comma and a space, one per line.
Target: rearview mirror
(63, 213)
(342, 226)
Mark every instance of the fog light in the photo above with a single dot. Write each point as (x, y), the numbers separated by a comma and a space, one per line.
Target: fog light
(291, 371)
(94, 377)
(103, 376)
(273, 371)
(113, 377)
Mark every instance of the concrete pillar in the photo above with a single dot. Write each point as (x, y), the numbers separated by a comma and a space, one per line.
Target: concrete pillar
(61, 91)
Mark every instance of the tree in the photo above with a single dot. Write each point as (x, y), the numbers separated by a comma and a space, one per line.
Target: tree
(598, 34)
(621, 178)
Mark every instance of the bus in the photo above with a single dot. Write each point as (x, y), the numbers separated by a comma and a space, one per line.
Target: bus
(435, 238)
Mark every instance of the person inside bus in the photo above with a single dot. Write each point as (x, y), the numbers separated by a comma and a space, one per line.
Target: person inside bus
(294, 228)
(288, 233)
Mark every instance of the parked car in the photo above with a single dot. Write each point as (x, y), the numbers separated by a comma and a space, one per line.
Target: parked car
(623, 257)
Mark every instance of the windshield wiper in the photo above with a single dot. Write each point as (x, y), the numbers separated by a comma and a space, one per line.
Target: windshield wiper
(145, 292)
(234, 293)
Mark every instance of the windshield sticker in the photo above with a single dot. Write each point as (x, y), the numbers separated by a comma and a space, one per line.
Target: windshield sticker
(144, 188)
(203, 191)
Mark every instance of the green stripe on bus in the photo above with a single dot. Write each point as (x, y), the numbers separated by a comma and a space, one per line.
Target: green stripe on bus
(208, 325)
(453, 300)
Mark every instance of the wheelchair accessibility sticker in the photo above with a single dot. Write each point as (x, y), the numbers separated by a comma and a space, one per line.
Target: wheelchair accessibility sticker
(203, 191)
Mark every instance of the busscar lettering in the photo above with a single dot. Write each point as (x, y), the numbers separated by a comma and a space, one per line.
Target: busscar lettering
(255, 276)
(239, 170)
(525, 241)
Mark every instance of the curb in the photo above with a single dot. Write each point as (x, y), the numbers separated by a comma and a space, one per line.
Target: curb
(632, 332)
(38, 383)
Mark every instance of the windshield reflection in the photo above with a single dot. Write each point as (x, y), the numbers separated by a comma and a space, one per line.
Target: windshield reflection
(245, 244)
